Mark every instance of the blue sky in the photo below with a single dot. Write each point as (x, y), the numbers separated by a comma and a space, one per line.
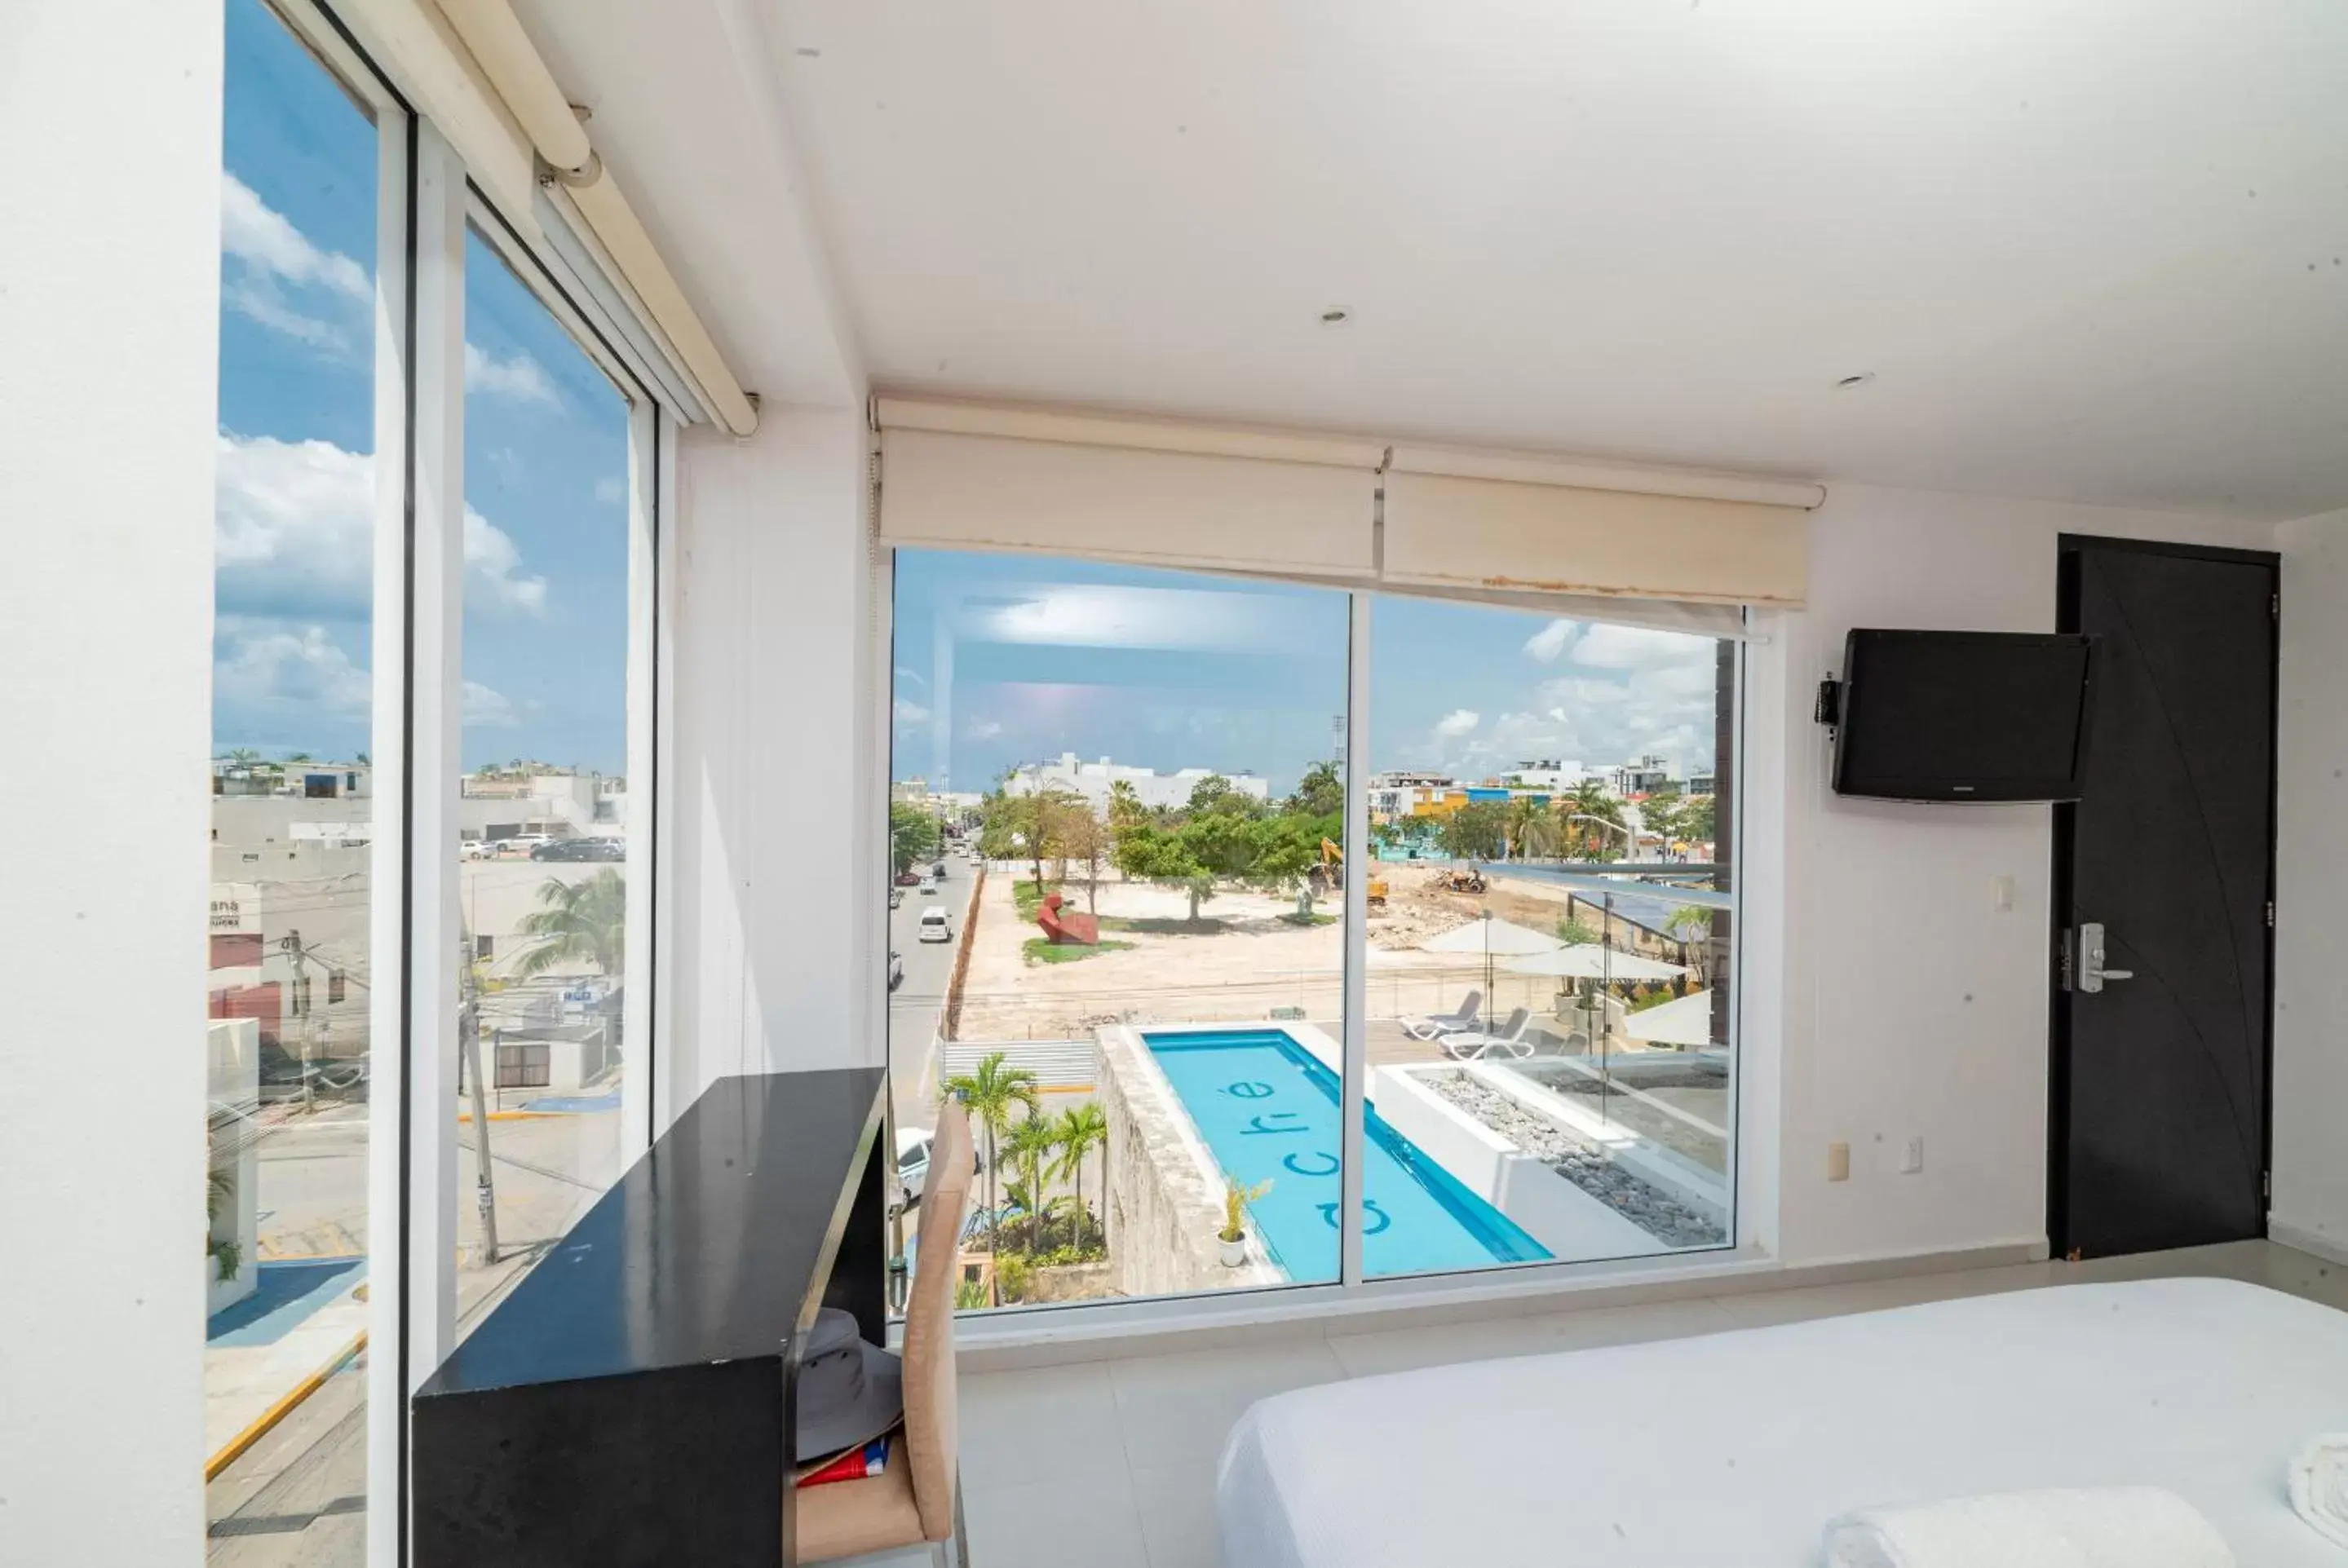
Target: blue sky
(545, 472)
(1001, 659)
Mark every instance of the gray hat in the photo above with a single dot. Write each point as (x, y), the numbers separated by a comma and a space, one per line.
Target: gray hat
(849, 1392)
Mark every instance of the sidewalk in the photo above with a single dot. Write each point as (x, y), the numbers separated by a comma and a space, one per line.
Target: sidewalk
(262, 1350)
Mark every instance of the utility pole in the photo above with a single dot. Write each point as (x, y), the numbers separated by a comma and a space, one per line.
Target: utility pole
(468, 1065)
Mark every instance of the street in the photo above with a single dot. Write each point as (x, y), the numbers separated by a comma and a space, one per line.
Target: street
(918, 1003)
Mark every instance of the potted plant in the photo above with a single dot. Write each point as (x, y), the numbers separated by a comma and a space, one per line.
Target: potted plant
(1232, 1238)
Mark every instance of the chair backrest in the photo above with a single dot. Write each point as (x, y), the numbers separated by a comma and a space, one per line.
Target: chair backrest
(1516, 1024)
(931, 1432)
(1469, 1004)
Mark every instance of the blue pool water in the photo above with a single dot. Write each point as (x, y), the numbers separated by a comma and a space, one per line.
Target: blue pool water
(1270, 1112)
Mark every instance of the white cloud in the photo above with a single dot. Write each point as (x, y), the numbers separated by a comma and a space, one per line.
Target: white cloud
(261, 237)
(517, 376)
(487, 709)
(264, 669)
(1605, 646)
(911, 712)
(1549, 641)
(612, 490)
(294, 535)
(1457, 723)
(983, 729)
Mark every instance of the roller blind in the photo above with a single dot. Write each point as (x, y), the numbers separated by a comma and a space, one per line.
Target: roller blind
(1520, 529)
(1127, 490)
(1522, 524)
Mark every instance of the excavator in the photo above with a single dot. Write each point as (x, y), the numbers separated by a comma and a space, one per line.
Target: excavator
(1330, 875)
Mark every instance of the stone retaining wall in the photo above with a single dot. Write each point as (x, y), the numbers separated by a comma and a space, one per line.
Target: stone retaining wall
(1165, 1190)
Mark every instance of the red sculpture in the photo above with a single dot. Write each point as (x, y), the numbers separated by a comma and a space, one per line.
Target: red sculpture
(1065, 925)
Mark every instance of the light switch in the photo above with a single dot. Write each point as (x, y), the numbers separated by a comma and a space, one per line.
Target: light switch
(1837, 1162)
(1911, 1157)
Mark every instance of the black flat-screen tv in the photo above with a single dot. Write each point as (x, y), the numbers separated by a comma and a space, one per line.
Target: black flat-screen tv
(1962, 715)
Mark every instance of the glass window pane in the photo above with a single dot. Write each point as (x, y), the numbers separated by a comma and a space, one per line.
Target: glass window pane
(1116, 813)
(543, 805)
(287, 1041)
(1548, 937)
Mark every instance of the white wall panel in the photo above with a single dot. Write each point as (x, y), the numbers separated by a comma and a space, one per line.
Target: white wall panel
(108, 424)
(772, 930)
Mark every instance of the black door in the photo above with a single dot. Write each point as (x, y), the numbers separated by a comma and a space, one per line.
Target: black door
(2159, 1066)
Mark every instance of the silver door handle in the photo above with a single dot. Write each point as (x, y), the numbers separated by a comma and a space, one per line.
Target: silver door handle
(2092, 973)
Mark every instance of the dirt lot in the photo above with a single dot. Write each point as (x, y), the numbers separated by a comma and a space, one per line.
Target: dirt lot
(1239, 962)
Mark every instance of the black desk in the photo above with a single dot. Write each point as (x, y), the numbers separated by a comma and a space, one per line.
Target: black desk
(630, 1402)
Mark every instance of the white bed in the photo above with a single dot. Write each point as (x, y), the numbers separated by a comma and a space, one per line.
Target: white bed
(1737, 1449)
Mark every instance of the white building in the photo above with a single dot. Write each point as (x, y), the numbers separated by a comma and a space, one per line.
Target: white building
(1094, 780)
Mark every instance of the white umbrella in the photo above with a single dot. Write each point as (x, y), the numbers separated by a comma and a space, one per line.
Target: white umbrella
(1589, 961)
(1492, 939)
(1489, 938)
(1681, 1021)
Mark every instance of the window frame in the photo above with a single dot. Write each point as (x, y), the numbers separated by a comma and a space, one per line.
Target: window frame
(1745, 1249)
(425, 202)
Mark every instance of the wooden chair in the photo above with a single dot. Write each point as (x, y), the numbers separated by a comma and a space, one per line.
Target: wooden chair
(917, 1500)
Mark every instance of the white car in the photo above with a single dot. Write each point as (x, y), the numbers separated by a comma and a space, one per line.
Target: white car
(476, 849)
(913, 1164)
(521, 843)
(934, 928)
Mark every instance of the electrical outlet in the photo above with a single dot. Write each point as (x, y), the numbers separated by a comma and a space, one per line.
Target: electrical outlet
(1911, 1157)
(1837, 1162)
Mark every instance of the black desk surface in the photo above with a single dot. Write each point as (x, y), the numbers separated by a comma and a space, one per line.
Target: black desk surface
(703, 1251)
(630, 1401)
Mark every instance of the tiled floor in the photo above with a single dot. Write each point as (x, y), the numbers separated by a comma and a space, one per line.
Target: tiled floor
(1111, 1464)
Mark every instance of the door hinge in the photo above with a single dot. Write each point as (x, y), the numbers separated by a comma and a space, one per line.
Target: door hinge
(2266, 1183)
(2274, 607)
(2269, 914)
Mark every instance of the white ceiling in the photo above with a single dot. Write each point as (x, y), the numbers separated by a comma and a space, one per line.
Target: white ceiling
(2092, 249)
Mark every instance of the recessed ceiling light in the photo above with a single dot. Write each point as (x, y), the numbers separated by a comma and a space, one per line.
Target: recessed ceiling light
(1848, 382)
(1335, 316)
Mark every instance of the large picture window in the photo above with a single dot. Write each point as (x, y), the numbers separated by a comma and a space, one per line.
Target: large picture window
(1119, 889)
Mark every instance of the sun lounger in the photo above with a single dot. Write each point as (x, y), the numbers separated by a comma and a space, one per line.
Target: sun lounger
(1471, 1046)
(1452, 1022)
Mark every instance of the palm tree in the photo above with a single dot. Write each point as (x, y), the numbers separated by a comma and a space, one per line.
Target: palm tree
(577, 922)
(1081, 1131)
(1685, 924)
(243, 756)
(1033, 1143)
(1533, 827)
(1586, 838)
(989, 1095)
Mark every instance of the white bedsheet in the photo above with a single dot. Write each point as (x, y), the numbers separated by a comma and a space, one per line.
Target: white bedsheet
(1737, 1449)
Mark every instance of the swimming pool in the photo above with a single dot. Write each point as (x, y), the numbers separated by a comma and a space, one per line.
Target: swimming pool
(1270, 1112)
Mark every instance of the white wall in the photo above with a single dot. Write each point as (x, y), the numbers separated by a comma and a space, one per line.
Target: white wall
(1912, 1006)
(775, 800)
(2310, 1204)
(110, 274)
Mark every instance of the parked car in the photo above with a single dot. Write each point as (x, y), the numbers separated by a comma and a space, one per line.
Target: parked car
(521, 843)
(908, 877)
(896, 970)
(939, 870)
(930, 886)
(476, 849)
(566, 849)
(896, 897)
(934, 928)
(912, 1163)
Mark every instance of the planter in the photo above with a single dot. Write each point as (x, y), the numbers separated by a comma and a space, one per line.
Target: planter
(1232, 1254)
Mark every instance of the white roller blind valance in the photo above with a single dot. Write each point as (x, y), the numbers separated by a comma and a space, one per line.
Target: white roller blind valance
(1133, 490)
(1516, 528)
(1519, 524)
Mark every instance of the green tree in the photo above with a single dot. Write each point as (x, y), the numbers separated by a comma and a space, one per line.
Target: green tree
(1696, 819)
(1166, 857)
(243, 756)
(1033, 1141)
(989, 1094)
(577, 922)
(1532, 828)
(1476, 831)
(1576, 932)
(1217, 794)
(1585, 810)
(1081, 1131)
(1663, 813)
(1686, 923)
(1320, 792)
(297, 756)
(1125, 807)
(913, 834)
